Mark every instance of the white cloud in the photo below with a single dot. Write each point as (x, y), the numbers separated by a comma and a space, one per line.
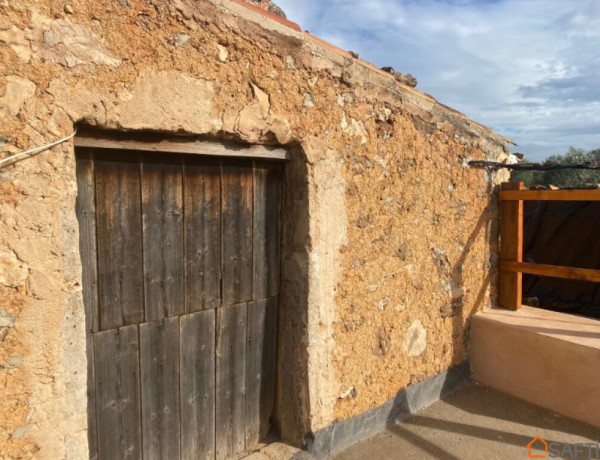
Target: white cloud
(530, 69)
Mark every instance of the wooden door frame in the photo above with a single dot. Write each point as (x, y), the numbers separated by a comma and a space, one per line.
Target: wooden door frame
(290, 420)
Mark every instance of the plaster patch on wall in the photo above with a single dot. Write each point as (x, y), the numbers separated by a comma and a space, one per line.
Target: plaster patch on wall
(328, 225)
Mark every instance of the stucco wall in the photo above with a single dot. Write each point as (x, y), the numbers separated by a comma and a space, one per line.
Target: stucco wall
(399, 237)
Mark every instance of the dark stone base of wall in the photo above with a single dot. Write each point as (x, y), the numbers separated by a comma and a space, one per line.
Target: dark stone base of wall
(343, 434)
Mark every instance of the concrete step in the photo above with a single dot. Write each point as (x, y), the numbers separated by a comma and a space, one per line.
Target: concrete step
(547, 358)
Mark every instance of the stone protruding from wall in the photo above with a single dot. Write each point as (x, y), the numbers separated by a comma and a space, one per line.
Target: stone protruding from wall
(415, 341)
(17, 91)
(269, 6)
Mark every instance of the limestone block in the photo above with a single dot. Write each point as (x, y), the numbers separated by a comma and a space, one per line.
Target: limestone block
(18, 90)
(15, 39)
(13, 272)
(69, 44)
(415, 340)
(222, 53)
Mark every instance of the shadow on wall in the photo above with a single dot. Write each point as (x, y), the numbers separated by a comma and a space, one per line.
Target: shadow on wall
(488, 224)
(343, 434)
(402, 408)
(412, 399)
(292, 397)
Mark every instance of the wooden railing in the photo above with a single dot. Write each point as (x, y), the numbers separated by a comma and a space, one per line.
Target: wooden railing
(511, 265)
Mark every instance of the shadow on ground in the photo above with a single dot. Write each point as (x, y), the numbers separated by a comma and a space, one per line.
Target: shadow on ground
(477, 422)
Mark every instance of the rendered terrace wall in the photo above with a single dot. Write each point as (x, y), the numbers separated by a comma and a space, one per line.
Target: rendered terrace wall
(396, 237)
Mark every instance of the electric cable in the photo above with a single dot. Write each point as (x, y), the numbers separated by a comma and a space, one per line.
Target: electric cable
(16, 156)
(532, 166)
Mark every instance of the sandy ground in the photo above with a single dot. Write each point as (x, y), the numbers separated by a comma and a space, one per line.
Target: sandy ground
(477, 422)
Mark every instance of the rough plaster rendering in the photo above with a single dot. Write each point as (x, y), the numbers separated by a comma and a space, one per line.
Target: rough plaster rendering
(388, 233)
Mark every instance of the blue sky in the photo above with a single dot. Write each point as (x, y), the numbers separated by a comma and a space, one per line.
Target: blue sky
(529, 69)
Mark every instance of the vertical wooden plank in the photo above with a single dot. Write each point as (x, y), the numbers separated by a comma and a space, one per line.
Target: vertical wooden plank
(197, 370)
(159, 368)
(85, 208)
(91, 395)
(118, 219)
(202, 228)
(116, 355)
(273, 239)
(236, 211)
(266, 230)
(231, 380)
(162, 217)
(269, 364)
(260, 368)
(511, 248)
(254, 369)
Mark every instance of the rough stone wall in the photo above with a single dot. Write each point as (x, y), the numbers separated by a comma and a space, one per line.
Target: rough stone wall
(400, 238)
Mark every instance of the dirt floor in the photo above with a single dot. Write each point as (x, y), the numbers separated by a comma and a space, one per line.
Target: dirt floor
(478, 422)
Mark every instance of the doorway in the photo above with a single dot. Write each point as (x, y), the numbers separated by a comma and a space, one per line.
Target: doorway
(180, 257)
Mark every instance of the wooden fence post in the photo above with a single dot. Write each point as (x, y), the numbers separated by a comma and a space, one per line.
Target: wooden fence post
(511, 248)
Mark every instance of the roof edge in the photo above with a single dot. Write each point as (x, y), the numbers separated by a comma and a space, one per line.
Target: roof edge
(345, 54)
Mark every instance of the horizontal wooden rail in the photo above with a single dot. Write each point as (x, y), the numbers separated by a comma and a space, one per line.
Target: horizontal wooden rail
(553, 271)
(511, 265)
(550, 195)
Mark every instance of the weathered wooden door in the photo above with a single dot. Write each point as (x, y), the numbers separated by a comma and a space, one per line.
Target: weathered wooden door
(180, 259)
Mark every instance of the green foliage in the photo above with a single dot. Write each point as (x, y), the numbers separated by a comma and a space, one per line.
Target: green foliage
(563, 177)
(528, 177)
